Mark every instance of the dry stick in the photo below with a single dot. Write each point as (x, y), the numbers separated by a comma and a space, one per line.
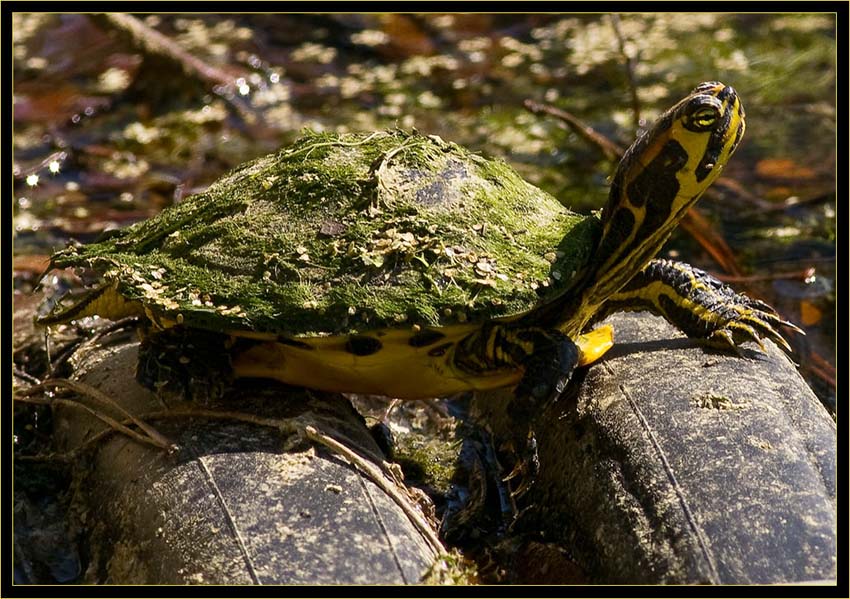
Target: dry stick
(23, 173)
(286, 425)
(823, 369)
(78, 345)
(630, 70)
(275, 423)
(797, 275)
(150, 41)
(25, 375)
(701, 229)
(378, 478)
(816, 198)
(611, 150)
(101, 397)
(117, 426)
(103, 331)
(734, 187)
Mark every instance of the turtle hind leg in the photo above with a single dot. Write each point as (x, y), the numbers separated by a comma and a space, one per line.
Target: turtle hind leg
(182, 364)
(699, 305)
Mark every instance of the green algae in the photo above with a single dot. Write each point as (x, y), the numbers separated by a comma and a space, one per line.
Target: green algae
(345, 232)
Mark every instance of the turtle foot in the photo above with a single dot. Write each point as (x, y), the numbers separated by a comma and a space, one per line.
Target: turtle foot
(701, 306)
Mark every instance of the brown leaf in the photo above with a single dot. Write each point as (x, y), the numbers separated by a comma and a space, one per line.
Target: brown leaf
(783, 168)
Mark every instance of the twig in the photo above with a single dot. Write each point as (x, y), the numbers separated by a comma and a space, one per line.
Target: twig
(25, 376)
(700, 229)
(170, 55)
(286, 425)
(391, 404)
(275, 423)
(611, 150)
(822, 369)
(80, 344)
(23, 173)
(99, 396)
(117, 426)
(797, 275)
(378, 478)
(630, 70)
(54, 364)
(151, 42)
(816, 198)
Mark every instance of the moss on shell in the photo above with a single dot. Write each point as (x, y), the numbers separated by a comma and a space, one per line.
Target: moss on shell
(346, 232)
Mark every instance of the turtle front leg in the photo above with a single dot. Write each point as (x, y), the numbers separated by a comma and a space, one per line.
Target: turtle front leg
(547, 357)
(548, 366)
(699, 305)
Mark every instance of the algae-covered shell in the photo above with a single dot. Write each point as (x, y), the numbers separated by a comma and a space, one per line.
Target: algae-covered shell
(340, 233)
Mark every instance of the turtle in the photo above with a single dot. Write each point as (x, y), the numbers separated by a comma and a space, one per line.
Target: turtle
(399, 264)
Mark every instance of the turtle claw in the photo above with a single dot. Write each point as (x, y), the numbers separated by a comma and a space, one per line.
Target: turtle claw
(525, 484)
(792, 326)
(749, 331)
(526, 468)
(517, 470)
(731, 318)
(758, 324)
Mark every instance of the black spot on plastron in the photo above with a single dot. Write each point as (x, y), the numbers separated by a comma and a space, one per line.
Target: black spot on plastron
(425, 338)
(440, 350)
(362, 345)
(293, 343)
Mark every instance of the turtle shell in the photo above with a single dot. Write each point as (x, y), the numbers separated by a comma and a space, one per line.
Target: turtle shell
(341, 233)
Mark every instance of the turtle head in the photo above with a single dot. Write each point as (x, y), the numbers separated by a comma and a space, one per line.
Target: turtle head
(661, 175)
(692, 142)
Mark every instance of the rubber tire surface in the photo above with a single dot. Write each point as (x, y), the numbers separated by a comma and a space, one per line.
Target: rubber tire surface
(231, 506)
(667, 462)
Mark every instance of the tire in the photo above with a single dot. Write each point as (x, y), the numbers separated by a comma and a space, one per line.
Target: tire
(231, 506)
(667, 462)
(663, 463)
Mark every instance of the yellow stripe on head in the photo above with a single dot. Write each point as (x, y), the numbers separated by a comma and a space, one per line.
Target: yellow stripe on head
(660, 177)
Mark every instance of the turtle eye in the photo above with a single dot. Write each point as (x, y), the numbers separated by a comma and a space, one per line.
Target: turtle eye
(704, 117)
(702, 114)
